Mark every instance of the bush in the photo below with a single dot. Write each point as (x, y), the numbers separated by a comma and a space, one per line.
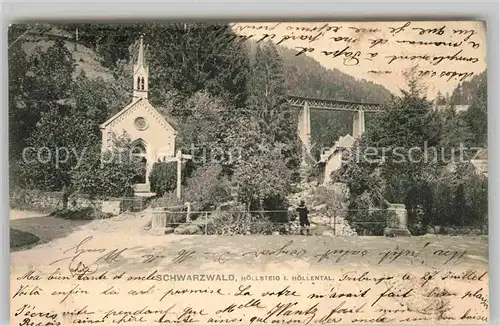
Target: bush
(189, 229)
(365, 221)
(206, 187)
(163, 177)
(327, 196)
(239, 223)
(107, 174)
(167, 200)
(476, 196)
(368, 223)
(277, 209)
(462, 202)
(87, 213)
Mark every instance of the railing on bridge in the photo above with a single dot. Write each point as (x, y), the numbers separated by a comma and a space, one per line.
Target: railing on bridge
(327, 104)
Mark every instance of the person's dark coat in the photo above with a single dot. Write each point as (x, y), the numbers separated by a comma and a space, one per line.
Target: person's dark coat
(303, 215)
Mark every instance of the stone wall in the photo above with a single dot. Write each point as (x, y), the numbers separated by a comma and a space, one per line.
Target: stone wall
(49, 201)
(457, 230)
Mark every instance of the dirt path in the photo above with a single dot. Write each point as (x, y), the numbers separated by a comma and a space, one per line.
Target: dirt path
(16, 214)
(52, 228)
(120, 246)
(127, 230)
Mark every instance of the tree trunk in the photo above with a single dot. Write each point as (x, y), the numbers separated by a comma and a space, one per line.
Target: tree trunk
(65, 197)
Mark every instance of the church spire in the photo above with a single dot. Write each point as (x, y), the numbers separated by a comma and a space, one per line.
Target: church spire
(141, 73)
(140, 57)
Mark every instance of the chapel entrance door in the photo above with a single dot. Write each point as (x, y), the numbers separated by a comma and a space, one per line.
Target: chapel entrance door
(139, 152)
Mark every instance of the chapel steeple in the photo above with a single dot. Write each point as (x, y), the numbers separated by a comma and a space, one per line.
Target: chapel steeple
(141, 74)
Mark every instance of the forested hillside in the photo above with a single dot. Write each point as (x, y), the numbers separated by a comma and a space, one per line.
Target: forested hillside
(464, 93)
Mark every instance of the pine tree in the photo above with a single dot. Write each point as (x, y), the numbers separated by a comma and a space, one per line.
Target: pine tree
(191, 57)
(408, 122)
(268, 100)
(440, 99)
(455, 133)
(477, 114)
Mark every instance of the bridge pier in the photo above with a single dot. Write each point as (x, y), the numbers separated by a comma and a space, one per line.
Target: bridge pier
(304, 129)
(358, 124)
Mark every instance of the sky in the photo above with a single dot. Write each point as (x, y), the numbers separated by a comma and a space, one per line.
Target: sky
(444, 53)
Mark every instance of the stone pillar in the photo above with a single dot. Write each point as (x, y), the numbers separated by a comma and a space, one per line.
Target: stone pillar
(158, 218)
(188, 211)
(397, 219)
(358, 124)
(159, 221)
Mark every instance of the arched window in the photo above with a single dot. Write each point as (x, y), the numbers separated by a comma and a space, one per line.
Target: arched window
(142, 83)
(139, 149)
(138, 83)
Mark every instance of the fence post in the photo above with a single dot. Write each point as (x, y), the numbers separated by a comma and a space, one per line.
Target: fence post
(206, 222)
(188, 212)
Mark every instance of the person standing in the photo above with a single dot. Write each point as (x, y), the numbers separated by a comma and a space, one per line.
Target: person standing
(303, 218)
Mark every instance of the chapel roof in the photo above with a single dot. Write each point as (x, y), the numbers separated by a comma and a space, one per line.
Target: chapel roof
(162, 112)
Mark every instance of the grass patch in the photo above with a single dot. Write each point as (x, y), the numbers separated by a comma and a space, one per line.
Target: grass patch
(20, 239)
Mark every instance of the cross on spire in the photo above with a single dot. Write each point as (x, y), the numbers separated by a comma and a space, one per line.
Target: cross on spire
(140, 56)
(141, 72)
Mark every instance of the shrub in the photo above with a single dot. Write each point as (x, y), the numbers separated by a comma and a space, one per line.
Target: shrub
(262, 177)
(476, 196)
(86, 213)
(207, 188)
(365, 220)
(107, 174)
(328, 196)
(368, 222)
(277, 209)
(163, 177)
(239, 223)
(463, 201)
(167, 200)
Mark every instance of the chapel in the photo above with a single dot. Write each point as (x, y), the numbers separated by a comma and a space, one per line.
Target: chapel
(153, 136)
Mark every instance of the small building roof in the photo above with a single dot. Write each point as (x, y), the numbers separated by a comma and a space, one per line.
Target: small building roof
(343, 142)
(458, 108)
(481, 154)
